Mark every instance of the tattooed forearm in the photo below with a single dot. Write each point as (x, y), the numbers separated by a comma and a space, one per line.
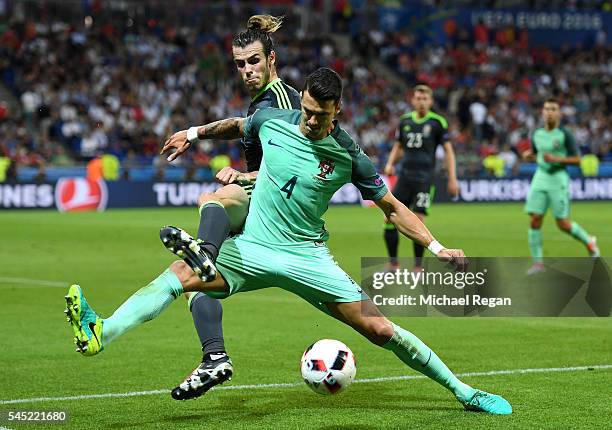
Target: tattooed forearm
(225, 129)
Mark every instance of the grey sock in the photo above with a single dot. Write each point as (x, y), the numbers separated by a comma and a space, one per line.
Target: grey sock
(207, 316)
(214, 228)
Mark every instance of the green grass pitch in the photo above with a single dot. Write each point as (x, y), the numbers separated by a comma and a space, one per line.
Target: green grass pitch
(114, 253)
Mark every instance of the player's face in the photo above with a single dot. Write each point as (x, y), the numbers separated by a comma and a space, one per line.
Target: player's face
(551, 113)
(317, 116)
(253, 65)
(421, 102)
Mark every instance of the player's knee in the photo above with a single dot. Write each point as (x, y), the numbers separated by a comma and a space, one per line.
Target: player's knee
(379, 330)
(536, 221)
(564, 225)
(183, 272)
(205, 198)
(232, 195)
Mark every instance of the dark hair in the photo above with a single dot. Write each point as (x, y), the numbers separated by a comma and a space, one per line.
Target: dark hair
(551, 100)
(259, 28)
(421, 88)
(324, 84)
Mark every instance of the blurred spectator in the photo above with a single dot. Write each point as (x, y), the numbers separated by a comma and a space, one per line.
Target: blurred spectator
(479, 113)
(481, 33)
(5, 162)
(494, 163)
(110, 167)
(95, 170)
(511, 161)
(219, 162)
(589, 165)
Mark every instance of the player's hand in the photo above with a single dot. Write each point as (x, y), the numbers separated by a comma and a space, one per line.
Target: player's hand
(453, 188)
(456, 258)
(528, 155)
(549, 158)
(228, 175)
(179, 142)
(389, 170)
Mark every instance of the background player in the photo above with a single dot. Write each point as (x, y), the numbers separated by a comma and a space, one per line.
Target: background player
(553, 148)
(419, 134)
(225, 210)
(307, 158)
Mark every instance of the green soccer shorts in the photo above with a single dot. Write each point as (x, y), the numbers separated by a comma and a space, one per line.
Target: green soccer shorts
(540, 199)
(307, 269)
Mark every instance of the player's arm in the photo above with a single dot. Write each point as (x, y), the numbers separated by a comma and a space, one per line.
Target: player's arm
(529, 155)
(397, 152)
(225, 129)
(372, 187)
(411, 226)
(451, 168)
(549, 158)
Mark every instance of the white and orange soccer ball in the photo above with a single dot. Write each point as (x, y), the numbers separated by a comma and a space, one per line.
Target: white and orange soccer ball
(328, 366)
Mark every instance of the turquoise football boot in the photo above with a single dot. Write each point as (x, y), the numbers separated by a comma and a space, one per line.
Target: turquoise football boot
(482, 401)
(87, 326)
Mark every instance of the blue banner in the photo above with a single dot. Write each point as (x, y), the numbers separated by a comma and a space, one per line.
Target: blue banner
(552, 29)
(80, 194)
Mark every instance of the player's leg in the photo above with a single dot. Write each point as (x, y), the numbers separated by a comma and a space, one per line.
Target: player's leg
(418, 249)
(313, 275)
(580, 234)
(216, 366)
(223, 211)
(220, 212)
(391, 236)
(560, 204)
(536, 206)
(92, 333)
(535, 243)
(367, 319)
(240, 264)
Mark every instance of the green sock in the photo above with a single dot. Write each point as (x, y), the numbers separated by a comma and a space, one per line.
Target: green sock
(535, 244)
(413, 352)
(144, 305)
(579, 233)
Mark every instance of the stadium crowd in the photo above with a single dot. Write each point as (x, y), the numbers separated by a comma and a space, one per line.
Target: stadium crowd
(122, 91)
(99, 87)
(492, 86)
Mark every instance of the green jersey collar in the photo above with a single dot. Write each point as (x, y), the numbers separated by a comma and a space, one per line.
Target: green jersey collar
(420, 120)
(264, 89)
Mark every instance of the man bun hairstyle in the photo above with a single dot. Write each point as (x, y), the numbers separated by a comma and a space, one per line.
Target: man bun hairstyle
(265, 23)
(324, 84)
(259, 28)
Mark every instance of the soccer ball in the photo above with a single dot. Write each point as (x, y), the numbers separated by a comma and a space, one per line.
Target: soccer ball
(328, 366)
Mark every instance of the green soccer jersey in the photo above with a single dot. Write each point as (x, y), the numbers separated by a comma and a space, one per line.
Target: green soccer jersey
(298, 177)
(559, 142)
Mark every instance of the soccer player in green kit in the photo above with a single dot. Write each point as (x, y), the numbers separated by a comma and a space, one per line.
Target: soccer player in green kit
(553, 148)
(307, 158)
